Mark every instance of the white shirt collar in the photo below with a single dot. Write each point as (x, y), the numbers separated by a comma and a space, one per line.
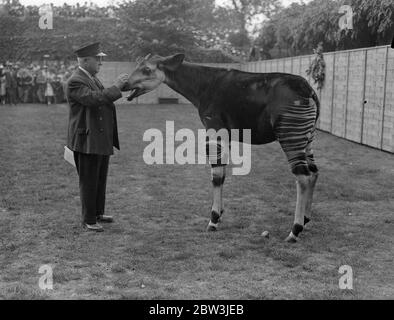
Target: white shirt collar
(86, 72)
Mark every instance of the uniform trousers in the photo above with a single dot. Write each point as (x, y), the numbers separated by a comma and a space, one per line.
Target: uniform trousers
(92, 171)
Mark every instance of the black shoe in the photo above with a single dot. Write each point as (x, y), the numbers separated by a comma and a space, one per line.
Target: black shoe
(105, 218)
(93, 227)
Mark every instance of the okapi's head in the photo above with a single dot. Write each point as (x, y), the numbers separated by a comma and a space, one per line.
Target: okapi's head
(150, 72)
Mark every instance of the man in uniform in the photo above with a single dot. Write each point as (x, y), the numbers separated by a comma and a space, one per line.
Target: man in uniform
(92, 131)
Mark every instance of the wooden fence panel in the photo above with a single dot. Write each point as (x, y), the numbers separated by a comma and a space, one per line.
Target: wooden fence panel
(296, 66)
(326, 94)
(287, 66)
(340, 94)
(246, 67)
(314, 86)
(148, 98)
(269, 65)
(260, 67)
(253, 69)
(264, 67)
(355, 98)
(374, 96)
(280, 67)
(275, 65)
(304, 65)
(388, 124)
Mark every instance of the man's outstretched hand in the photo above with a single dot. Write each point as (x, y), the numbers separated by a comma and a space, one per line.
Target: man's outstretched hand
(122, 82)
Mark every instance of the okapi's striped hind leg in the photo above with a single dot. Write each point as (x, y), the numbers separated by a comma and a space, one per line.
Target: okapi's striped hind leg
(302, 183)
(295, 132)
(312, 182)
(305, 182)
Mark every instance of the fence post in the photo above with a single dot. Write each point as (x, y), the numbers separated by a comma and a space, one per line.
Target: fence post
(347, 91)
(384, 94)
(363, 109)
(332, 91)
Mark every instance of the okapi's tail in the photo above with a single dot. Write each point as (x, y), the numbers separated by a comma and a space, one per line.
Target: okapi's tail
(317, 102)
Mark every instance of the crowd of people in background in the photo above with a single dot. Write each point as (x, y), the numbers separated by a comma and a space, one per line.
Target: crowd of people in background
(86, 10)
(33, 83)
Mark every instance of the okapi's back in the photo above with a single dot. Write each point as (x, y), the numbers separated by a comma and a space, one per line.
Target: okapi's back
(258, 100)
(261, 87)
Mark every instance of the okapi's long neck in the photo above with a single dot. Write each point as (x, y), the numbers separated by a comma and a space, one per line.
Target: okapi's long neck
(192, 81)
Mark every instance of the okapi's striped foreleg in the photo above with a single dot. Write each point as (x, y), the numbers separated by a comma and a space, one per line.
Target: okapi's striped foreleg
(217, 156)
(295, 131)
(218, 175)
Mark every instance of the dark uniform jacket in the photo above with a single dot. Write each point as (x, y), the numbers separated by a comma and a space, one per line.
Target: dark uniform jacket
(92, 127)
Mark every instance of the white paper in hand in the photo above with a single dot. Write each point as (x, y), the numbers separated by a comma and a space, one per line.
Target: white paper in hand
(69, 156)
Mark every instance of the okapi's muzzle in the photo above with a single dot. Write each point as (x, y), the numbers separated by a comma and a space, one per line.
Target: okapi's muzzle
(141, 81)
(135, 92)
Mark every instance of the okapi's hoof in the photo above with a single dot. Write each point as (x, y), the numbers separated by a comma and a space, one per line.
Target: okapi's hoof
(220, 216)
(291, 238)
(295, 231)
(306, 220)
(212, 226)
(215, 217)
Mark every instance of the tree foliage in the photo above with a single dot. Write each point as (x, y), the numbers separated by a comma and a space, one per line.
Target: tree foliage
(299, 28)
(203, 30)
(246, 10)
(168, 26)
(373, 21)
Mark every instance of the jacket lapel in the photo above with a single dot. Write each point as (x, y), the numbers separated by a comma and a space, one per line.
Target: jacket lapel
(90, 80)
(98, 83)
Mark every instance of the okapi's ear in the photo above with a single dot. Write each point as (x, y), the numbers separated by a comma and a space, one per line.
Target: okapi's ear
(173, 62)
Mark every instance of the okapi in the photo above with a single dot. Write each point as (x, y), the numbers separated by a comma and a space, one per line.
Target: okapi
(274, 106)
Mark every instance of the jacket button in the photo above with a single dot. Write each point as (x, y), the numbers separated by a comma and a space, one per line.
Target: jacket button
(99, 108)
(101, 118)
(101, 130)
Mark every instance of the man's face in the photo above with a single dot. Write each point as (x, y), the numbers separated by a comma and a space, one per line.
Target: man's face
(92, 64)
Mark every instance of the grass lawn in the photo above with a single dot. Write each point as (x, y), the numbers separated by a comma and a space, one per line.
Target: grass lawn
(158, 248)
